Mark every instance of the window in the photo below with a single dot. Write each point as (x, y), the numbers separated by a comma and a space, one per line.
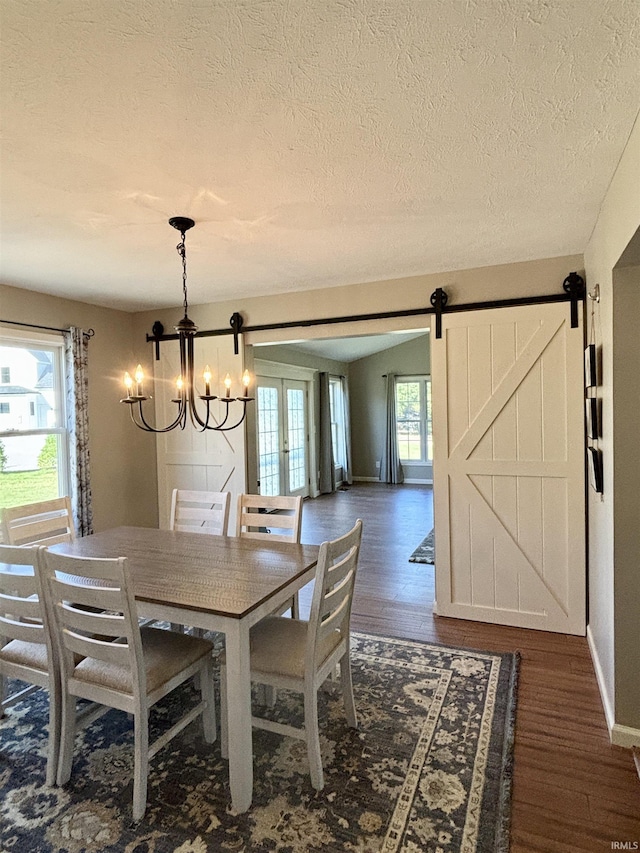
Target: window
(34, 455)
(413, 419)
(336, 404)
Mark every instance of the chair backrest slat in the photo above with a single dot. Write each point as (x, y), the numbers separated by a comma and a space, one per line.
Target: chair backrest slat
(90, 647)
(107, 624)
(260, 515)
(333, 590)
(199, 512)
(19, 607)
(42, 523)
(20, 596)
(101, 597)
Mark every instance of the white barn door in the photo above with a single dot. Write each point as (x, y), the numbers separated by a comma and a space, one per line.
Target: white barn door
(188, 459)
(509, 502)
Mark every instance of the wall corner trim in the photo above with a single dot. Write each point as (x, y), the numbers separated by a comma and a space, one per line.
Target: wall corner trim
(619, 735)
(625, 736)
(606, 702)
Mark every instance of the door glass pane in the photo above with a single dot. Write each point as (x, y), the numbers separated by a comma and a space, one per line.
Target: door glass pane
(296, 439)
(268, 441)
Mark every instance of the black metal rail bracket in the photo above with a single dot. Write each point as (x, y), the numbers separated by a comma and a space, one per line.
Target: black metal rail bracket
(574, 286)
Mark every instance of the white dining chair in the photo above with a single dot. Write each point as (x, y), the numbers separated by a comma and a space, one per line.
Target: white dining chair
(298, 655)
(26, 651)
(41, 523)
(274, 518)
(122, 666)
(199, 512)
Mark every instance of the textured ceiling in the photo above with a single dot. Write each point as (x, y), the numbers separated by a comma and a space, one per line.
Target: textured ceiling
(315, 143)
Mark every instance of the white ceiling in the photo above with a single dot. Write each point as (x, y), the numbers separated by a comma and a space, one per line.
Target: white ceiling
(316, 143)
(346, 349)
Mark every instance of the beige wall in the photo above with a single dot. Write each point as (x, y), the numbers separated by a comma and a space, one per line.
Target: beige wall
(613, 623)
(368, 403)
(121, 456)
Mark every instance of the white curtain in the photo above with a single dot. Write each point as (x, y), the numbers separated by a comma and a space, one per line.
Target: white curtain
(390, 467)
(76, 345)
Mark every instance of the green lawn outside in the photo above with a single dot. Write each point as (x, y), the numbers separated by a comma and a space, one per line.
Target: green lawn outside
(25, 487)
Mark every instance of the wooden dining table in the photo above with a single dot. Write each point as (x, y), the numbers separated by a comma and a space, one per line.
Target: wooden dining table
(219, 583)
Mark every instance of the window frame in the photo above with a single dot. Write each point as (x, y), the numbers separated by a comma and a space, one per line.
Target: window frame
(425, 420)
(19, 339)
(338, 426)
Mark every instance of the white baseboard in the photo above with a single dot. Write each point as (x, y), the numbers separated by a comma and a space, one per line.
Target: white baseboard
(410, 482)
(602, 687)
(619, 735)
(624, 736)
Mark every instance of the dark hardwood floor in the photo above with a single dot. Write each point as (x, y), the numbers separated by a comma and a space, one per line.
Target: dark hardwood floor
(573, 792)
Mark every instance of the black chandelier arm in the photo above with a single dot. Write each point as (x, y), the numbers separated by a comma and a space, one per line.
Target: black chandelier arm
(194, 415)
(222, 428)
(144, 425)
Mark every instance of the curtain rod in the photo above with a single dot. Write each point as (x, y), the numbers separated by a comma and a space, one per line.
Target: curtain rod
(89, 333)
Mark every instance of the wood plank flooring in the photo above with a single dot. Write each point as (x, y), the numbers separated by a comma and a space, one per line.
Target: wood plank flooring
(573, 792)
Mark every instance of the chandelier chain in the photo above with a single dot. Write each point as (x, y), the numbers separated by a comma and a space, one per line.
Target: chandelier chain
(182, 251)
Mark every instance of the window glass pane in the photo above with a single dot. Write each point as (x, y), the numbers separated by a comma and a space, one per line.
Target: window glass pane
(29, 392)
(268, 441)
(29, 468)
(33, 442)
(296, 439)
(411, 418)
(338, 439)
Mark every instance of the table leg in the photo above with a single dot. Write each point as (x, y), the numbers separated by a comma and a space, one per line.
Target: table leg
(239, 716)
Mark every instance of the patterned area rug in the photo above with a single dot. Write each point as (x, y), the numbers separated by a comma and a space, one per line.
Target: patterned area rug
(425, 552)
(429, 769)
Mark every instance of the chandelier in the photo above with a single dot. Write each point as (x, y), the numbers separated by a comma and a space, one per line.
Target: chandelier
(186, 392)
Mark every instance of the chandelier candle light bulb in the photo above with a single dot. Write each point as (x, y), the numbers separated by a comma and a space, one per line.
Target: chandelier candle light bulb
(185, 383)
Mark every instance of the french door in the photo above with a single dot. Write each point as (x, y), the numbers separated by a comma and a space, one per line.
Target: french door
(283, 436)
(509, 468)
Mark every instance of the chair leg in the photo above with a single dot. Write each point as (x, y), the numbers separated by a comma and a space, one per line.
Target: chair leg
(347, 691)
(224, 714)
(53, 747)
(3, 694)
(141, 763)
(67, 738)
(312, 736)
(207, 693)
(295, 607)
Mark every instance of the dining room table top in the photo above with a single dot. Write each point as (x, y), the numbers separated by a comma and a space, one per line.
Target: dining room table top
(225, 575)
